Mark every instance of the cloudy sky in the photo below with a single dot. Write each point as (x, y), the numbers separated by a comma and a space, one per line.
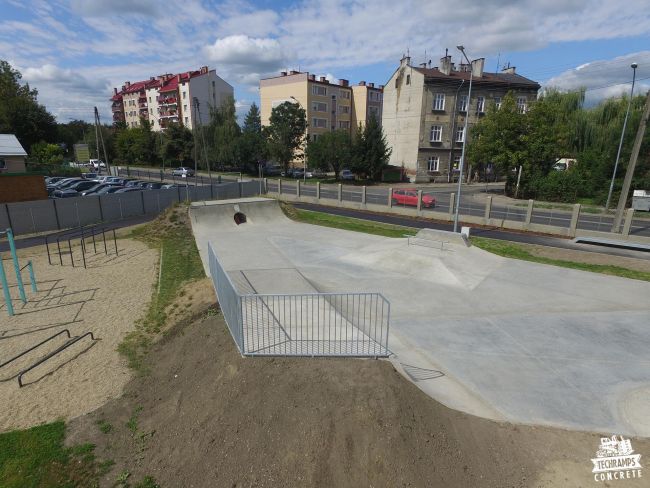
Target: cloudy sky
(74, 51)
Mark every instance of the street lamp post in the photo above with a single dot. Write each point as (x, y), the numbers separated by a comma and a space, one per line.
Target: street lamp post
(620, 144)
(304, 153)
(462, 155)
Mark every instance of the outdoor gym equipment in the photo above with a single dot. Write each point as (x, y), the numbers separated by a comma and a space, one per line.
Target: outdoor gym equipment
(94, 233)
(18, 270)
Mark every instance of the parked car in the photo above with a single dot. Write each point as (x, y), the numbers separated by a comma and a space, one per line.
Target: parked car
(94, 189)
(114, 180)
(81, 185)
(272, 170)
(298, 173)
(288, 173)
(316, 173)
(61, 184)
(154, 185)
(65, 193)
(50, 180)
(128, 189)
(89, 176)
(135, 183)
(183, 171)
(96, 164)
(346, 175)
(109, 189)
(410, 197)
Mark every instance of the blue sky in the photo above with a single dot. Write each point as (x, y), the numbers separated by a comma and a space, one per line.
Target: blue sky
(74, 51)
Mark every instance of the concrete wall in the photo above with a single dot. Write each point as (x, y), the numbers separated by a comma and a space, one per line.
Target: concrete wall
(22, 188)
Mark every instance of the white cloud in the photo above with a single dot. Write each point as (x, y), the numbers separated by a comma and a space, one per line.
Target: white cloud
(102, 8)
(606, 78)
(259, 24)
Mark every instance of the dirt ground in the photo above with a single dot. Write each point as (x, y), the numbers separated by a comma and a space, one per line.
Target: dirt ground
(208, 417)
(105, 299)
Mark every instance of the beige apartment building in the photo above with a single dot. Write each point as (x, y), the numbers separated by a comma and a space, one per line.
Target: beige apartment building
(425, 108)
(168, 99)
(328, 106)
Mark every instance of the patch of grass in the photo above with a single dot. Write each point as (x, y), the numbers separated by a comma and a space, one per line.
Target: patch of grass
(147, 482)
(37, 458)
(132, 423)
(104, 426)
(347, 223)
(180, 264)
(515, 251)
(105, 466)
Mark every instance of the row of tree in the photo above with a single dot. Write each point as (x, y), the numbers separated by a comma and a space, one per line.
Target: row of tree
(558, 125)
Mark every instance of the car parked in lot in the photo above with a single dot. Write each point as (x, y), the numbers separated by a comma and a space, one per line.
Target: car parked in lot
(61, 184)
(298, 173)
(109, 189)
(183, 171)
(94, 189)
(154, 185)
(135, 183)
(410, 198)
(50, 180)
(89, 176)
(346, 175)
(272, 170)
(316, 173)
(65, 193)
(128, 189)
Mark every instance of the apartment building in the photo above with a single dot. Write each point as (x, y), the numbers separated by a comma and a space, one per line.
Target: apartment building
(425, 109)
(328, 106)
(366, 102)
(168, 98)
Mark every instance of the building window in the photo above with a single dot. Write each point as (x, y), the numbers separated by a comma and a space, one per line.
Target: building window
(149, 99)
(3, 164)
(214, 85)
(460, 134)
(319, 90)
(344, 109)
(322, 123)
(408, 79)
(433, 163)
(344, 124)
(521, 105)
(456, 163)
(374, 111)
(319, 107)
(436, 133)
(345, 94)
(185, 107)
(186, 120)
(497, 102)
(184, 95)
(462, 103)
(397, 82)
(439, 101)
(480, 105)
(314, 137)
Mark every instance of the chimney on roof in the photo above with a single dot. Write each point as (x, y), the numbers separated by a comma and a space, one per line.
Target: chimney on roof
(445, 64)
(114, 91)
(405, 61)
(509, 70)
(204, 70)
(343, 82)
(283, 73)
(152, 78)
(127, 84)
(371, 85)
(362, 83)
(293, 72)
(477, 67)
(381, 87)
(423, 65)
(312, 77)
(323, 79)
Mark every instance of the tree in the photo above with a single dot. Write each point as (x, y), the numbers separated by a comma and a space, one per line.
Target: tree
(136, 144)
(223, 134)
(20, 112)
(252, 148)
(286, 133)
(178, 144)
(45, 153)
(370, 150)
(331, 151)
(73, 132)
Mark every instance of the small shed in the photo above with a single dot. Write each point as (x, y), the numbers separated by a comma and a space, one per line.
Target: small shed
(12, 154)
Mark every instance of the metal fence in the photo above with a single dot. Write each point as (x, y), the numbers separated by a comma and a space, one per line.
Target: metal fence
(58, 214)
(313, 324)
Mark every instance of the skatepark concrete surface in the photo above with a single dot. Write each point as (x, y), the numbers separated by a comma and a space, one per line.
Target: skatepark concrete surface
(499, 338)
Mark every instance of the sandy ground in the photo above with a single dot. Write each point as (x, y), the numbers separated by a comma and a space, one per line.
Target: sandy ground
(106, 299)
(208, 417)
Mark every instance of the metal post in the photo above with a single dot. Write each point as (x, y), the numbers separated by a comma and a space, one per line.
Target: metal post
(5, 288)
(340, 192)
(419, 201)
(32, 278)
(488, 209)
(452, 205)
(318, 190)
(298, 188)
(14, 257)
(363, 194)
(462, 155)
(390, 197)
(279, 186)
(574, 219)
(620, 144)
(529, 212)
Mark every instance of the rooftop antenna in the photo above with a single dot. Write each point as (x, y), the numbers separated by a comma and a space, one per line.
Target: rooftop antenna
(446, 52)
(498, 59)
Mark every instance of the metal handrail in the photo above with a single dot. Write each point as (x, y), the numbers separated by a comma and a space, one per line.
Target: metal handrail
(34, 347)
(53, 353)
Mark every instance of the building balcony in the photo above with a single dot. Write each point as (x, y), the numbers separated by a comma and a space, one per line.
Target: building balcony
(116, 108)
(167, 100)
(168, 114)
(142, 105)
(118, 117)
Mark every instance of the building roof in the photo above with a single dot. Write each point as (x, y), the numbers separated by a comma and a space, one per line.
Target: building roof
(9, 146)
(499, 78)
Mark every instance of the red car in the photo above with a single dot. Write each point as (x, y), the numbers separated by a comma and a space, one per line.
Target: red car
(410, 197)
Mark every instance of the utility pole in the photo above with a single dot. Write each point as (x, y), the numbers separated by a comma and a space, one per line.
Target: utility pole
(205, 147)
(98, 128)
(462, 155)
(195, 102)
(629, 172)
(620, 144)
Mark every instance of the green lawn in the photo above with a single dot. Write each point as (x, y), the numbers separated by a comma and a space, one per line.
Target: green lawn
(515, 251)
(348, 223)
(37, 458)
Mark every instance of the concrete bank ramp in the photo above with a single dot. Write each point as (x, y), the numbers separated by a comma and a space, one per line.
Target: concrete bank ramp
(221, 213)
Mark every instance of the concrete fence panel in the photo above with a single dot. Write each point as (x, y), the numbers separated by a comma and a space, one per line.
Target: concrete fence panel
(4, 217)
(29, 217)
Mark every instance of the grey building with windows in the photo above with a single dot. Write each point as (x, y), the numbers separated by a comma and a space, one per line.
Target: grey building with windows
(424, 112)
